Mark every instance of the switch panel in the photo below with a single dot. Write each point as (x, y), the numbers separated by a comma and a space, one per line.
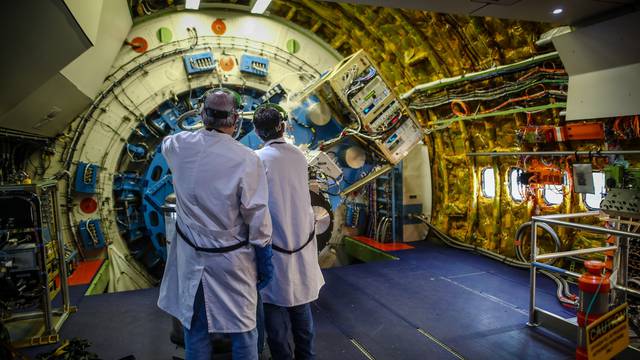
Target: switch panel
(255, 65)
(199, 63)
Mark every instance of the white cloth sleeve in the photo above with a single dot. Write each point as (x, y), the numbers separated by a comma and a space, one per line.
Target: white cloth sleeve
(254, 199)
(169, 146)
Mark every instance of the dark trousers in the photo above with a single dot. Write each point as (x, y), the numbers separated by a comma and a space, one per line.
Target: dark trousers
(298, 320)
(197, 339)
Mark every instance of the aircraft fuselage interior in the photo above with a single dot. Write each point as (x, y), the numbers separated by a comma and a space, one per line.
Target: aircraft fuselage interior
(472, 169)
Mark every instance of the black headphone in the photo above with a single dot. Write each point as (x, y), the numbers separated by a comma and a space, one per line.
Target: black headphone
(237, 102)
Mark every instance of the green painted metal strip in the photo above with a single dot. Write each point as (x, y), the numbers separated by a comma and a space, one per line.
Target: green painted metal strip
(366, 253)
(100, 281)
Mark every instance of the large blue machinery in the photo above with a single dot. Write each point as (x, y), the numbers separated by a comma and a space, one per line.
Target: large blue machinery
(144, 179)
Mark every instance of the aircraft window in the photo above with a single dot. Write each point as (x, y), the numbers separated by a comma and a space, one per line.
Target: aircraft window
(488, 183)
(516, 188)
(553, 194)
(593, 200)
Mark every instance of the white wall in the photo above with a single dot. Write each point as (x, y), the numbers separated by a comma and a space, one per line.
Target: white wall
(112, 25)
(603, 63)
(87, 14)
(41, 38)
(54, 75)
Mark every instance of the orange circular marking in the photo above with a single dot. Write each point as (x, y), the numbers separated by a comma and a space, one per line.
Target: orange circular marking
(139, 44)
(219, 27)
(88, 205)
(227, 63)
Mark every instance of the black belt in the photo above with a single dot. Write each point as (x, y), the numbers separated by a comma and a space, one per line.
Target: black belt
(210, 250)
(285, 251)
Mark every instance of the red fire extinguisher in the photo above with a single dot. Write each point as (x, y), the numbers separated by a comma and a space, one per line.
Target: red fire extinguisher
(594, 301)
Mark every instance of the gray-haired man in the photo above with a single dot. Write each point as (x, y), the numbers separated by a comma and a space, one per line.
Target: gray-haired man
(223, 248)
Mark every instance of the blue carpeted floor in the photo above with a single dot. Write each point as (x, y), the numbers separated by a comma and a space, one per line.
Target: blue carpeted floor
(476, 308)
(433, 303)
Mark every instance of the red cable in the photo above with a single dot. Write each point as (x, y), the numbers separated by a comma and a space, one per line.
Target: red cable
(462, 104)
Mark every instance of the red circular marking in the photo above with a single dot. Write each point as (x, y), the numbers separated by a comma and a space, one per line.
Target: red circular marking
(139, 44)
(88, 205)
(218, 27)
(227, 63)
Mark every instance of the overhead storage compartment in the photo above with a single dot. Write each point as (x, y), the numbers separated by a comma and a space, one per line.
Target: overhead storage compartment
(80, 42)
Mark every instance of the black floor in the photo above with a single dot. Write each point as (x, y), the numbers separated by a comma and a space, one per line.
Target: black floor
(433, 303)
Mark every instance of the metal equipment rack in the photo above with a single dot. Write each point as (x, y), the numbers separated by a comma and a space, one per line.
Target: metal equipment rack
(41, 326)
(386, 205)
(568, 328)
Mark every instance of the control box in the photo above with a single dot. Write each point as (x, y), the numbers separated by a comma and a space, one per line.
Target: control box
(360, 86)
(91, 234)
(255, 65)
(86, 178)
(199, 63)
(622, 202)
(401, 141)
(360, 98)
(323, 163)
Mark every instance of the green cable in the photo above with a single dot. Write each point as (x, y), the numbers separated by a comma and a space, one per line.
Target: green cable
(593, 299)
(502, 113)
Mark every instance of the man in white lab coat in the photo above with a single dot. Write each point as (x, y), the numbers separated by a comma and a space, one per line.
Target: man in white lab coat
(222, 253)
(297, 278)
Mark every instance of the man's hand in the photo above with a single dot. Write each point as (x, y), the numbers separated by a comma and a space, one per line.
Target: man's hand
(264, 265)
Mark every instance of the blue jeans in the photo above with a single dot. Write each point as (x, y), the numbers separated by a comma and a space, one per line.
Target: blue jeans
(279, 320)
(197, 340)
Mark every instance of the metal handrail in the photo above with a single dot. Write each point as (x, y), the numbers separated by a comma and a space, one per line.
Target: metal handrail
(560, 325)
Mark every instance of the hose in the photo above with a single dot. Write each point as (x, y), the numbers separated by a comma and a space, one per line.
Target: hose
(184, 116)
(521, 232)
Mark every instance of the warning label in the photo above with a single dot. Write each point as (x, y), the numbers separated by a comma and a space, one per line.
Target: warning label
(609, 335)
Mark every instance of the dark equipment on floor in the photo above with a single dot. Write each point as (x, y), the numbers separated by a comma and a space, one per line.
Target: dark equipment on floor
(32, 257)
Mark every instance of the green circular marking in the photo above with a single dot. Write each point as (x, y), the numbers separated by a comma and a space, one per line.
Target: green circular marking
(293, 46)
(164, 35)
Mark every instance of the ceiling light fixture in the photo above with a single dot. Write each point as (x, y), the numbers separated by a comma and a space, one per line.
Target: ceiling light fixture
(260, 6)
(557, 11)
(192, 4)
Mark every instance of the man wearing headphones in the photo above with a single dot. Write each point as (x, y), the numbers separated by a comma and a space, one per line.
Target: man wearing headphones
(222, 254)
(297, 278)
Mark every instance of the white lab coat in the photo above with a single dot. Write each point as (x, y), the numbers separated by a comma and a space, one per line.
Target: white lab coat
(297, 278)
(222, 198)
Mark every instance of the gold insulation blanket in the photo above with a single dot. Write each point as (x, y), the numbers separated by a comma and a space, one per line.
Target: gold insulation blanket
(414, 47)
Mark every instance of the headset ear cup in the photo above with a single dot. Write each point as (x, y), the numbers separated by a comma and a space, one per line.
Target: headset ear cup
(239, 101)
